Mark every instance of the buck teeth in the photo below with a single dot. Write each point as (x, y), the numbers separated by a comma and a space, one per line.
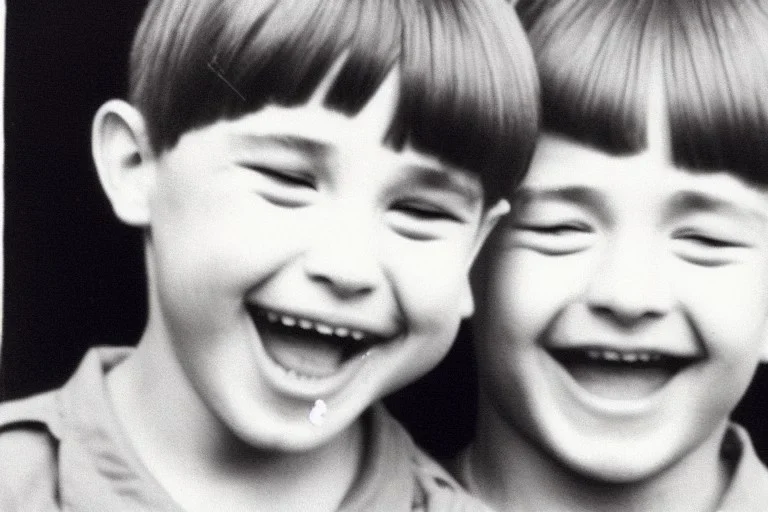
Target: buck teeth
(321, 328)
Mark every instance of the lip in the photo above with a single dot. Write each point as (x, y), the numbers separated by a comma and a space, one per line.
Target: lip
(309, 388)
(611, 406)
(370, 333)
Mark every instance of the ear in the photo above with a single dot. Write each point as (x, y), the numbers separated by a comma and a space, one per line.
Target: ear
(488, 221)
(124, 160)
(764, 351)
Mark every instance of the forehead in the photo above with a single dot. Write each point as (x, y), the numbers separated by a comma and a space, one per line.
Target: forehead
(313, 121)
(324, 136)
(315, 129)
(648, 177)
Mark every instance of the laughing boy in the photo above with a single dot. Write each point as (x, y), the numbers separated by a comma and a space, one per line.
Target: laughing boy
(313, 179)
(623, 309)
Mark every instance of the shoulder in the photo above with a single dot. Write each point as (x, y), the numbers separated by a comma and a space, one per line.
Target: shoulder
(749, 486)
(441, 491)
(435, 489)
(28, 454)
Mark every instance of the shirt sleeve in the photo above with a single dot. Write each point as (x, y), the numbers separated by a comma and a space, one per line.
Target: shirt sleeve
(28, 470)
(29, 455)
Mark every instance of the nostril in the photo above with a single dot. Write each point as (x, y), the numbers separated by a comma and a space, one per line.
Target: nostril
(630, 287)
(626, 316)
(345, 285)
(346, 273)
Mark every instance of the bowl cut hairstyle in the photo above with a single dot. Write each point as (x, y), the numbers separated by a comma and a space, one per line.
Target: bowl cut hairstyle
(594, 57)
(468, 90)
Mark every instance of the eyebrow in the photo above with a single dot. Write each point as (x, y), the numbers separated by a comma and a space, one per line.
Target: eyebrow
(575, 194)
(310, 148)
(447, 180)
(440, 178)
(693, 201)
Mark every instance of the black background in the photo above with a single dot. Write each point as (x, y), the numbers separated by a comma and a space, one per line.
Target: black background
(74, 276)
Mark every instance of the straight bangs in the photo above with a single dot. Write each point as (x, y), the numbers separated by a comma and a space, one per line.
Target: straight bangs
(468, 92)
(593, 57)
(469, 89)
(717, 86)
(195, 61)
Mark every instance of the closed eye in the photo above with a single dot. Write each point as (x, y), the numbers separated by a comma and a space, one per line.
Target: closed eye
(555, 229)
(426, 211)
(285, 188)
(707, 250)
(553, 238)
(289, 179)
(711, 242)
(424, 220)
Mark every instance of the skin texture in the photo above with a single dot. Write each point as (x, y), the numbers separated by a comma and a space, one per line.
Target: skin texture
(628, 254)
(300, 211)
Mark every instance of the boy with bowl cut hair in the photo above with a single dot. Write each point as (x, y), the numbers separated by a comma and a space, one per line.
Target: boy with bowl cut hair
(313, 180)
(623, 308)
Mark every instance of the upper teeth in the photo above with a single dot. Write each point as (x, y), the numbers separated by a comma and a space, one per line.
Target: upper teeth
(625, 357)
(321, 328)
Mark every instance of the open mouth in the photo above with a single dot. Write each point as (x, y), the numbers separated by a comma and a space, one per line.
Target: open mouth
(620, 374)
(308, 348)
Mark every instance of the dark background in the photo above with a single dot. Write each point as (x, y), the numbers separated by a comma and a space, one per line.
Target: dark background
(74, 276)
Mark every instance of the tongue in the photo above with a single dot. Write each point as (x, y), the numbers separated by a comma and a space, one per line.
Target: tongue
(309, 356)
(621, 382)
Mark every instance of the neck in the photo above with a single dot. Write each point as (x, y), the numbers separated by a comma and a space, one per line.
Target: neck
(511, 471)
(155, 410)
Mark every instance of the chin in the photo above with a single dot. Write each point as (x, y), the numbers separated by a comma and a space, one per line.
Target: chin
(290, 438)
(619, 467)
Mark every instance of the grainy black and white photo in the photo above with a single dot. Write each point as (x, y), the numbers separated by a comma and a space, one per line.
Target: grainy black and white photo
(385, 255)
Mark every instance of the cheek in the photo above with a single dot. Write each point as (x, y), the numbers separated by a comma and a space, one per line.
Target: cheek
(524, 291)
(729, 308)
(427, 277)
(237, 239)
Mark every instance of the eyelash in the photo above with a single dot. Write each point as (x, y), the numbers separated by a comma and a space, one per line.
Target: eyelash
(711, 242)
(554, 229)
(426, 212)
(284, 178)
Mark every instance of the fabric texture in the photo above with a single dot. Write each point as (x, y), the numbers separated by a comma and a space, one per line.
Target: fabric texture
(65, 450)
(749, 487)
(747, 492)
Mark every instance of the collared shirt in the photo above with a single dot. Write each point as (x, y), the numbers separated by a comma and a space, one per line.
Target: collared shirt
(65, 450)
(749, 486)
(747, 491)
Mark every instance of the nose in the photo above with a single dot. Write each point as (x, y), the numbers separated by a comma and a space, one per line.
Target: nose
(631, 283)
(343, 258)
